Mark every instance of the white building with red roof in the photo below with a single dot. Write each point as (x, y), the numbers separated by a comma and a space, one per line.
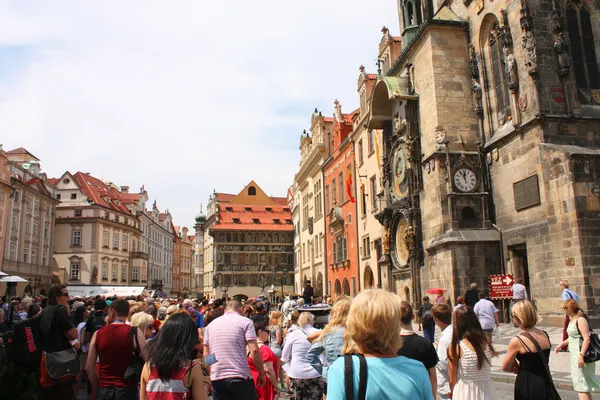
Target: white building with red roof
(251, 237)
(29, 232)
(99, 233)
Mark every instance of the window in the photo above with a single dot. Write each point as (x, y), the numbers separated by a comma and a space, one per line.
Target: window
(45, 232)
(123, 272)
(76, 237)
(25, 255)
(105, 239)
(115, 240)
(73, 196)
(15, 222)
(327, 205)
(117, 219)
(366, 247)
(33, 256)
(583, 49)
(360, 152)
(35, 228)
(44, 260)
(277, 221)
(16, 195)
(58, 196)
(333, 194)
(371, 141)
(318, 199)
(288, 221)
(78, 213)
(341, 186)
(105, 271)
(75, 268)
(113, 272)
(305, 211)
(498, 75)
(27, 227)
(255, 221)
(125, 242)
(374, 193)
(229, 209)
(106, 216)
(13, 252)
(251, 191)
(236, 220)
(268, 209)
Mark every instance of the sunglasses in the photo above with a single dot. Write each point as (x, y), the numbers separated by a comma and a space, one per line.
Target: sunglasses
(265, 331)
(64, 294)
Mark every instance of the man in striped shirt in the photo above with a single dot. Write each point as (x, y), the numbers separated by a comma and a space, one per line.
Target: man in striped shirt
(226, 338)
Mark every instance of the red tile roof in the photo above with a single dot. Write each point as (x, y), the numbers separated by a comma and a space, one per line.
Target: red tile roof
(97, 191)
(130, 198)
(52, 181)
(21, 150)
(372, 76)
(226, 197)
(240, 217)
(397, 38)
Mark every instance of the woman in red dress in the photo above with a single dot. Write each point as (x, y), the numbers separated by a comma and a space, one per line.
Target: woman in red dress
(269, 390)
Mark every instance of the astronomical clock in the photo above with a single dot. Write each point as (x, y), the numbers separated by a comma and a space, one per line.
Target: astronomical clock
(400, 167)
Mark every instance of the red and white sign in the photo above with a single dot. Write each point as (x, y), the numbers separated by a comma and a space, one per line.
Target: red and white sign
(500, 286)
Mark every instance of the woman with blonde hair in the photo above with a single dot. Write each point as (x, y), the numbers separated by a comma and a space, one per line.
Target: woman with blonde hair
(276, 341)
(527, 356)
(331, 339)
(305, 382)
(143, 321)
(373, 332)
(583, 374)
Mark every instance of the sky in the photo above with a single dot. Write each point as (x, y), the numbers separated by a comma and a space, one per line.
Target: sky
(183, 97)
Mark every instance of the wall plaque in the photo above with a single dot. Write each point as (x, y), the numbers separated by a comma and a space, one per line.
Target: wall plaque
(526, 193)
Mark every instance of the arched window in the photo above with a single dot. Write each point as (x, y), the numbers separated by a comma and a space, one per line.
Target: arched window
(583, 49)
(251, 191)
(338, 287)
(410, 14)
(497, 74)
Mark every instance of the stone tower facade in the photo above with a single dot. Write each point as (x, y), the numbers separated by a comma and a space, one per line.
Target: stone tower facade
(490, 117)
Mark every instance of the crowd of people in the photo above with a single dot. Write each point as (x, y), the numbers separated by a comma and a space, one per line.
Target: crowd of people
(153, 349)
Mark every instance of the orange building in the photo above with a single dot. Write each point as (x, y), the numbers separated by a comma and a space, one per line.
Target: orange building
(340, 202)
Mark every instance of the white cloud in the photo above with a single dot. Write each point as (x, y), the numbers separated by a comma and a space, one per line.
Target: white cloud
(181, 96)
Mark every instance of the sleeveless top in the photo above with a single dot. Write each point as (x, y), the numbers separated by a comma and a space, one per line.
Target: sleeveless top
(467, 365)
(114, 345)
(174, 388)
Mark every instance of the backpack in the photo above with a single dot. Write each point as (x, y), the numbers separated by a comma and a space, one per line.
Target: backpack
(427, 316)
(25, 344)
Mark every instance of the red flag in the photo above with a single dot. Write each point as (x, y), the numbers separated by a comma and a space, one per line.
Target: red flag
(349, 184)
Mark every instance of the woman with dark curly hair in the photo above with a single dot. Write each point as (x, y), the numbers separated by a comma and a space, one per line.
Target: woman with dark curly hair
(170, 372)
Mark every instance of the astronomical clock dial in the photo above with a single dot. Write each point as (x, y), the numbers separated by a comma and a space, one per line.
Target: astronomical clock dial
(465, 180)
(400, 172)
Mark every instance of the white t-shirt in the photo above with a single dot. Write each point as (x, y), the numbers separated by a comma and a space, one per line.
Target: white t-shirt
(80, 331)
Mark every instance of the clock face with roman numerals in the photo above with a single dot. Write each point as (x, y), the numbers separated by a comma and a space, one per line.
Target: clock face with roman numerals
(465, 180)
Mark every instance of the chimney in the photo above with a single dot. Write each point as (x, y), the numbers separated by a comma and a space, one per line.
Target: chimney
(124, 189)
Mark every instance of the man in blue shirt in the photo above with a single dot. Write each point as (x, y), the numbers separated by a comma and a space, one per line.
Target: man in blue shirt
(567, 294)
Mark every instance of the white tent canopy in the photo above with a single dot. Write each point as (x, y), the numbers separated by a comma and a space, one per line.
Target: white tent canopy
(107, 291)
(13, 279)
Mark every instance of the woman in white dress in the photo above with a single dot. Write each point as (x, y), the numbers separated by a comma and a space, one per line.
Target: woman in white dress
(469, 358)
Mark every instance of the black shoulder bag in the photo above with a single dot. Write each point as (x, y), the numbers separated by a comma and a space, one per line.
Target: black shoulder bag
(349, 377)
(593, 352)
(134, 369)
(556, 396)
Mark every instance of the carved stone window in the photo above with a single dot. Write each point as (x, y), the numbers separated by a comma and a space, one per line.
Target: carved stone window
(498, 78)
(583, 49)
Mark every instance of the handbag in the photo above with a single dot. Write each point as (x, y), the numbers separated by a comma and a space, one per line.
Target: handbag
(593, 352)
(555, 394)
(134, 368)
(59, 367)
(349, 377)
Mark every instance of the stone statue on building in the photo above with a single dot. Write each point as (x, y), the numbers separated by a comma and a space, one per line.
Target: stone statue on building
(477, 96)
(561, 48)
(530, 51)
(94, 274)
(511, 70)
(473, 67)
